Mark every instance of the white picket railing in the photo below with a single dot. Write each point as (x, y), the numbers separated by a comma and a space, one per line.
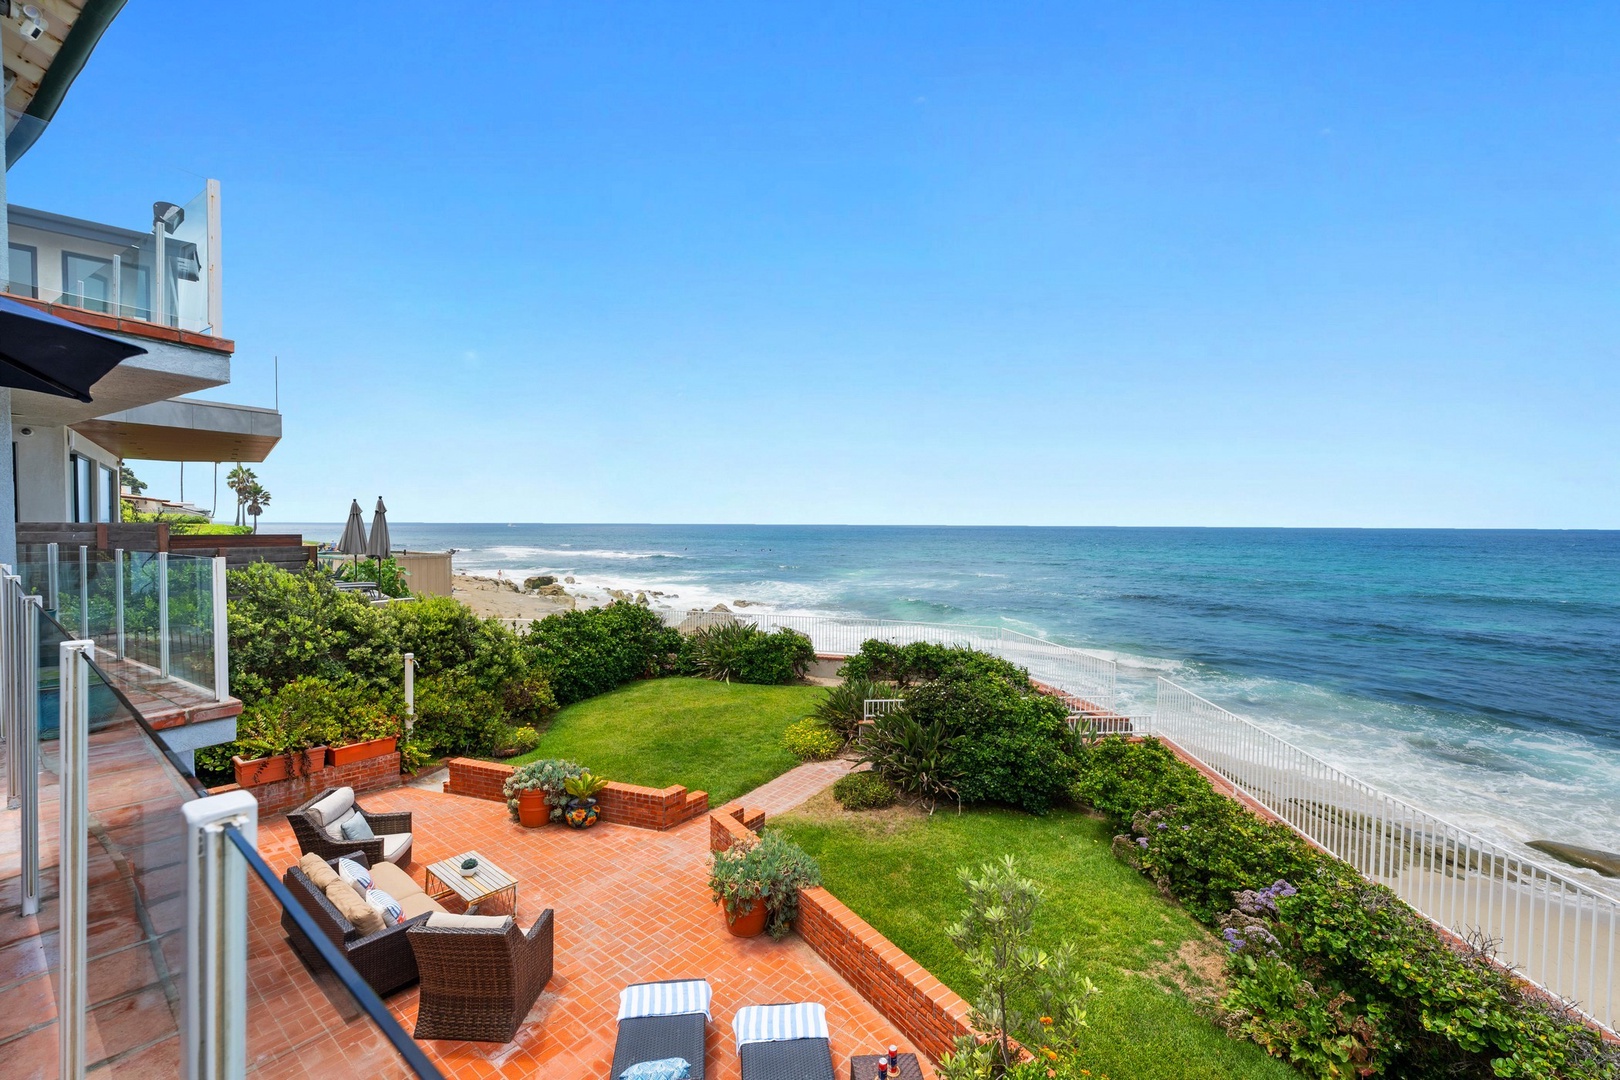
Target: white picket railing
(872, 708)
(1552, 929)
(1079, 674)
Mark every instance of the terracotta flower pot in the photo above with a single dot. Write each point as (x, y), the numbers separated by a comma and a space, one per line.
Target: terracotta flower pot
(750, 923)
(532, 809)
(360, 751)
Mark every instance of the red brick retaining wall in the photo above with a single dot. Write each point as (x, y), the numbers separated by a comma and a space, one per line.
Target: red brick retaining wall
(622, 804)
(928, 1012)
(371, 774)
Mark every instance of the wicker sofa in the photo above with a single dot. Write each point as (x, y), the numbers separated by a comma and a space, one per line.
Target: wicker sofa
(317, 824)
(480, 975)
(384, 958)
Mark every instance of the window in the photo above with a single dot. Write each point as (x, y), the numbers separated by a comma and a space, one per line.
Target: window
(106, 494)
(24, 271)
(81, 487)
(87, 283)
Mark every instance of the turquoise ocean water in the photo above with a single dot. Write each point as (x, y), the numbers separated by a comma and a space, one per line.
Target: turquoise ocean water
(1476, 673)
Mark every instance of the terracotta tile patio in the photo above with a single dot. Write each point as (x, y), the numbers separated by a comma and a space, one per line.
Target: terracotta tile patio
(631, 906)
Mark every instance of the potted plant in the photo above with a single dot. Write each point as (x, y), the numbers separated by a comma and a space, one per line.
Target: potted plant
(535, 792)
(277, 744)
(756, 882)
(581, 811)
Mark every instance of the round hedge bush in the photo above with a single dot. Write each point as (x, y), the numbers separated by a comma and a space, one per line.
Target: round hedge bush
(811, 739)
(864, 791)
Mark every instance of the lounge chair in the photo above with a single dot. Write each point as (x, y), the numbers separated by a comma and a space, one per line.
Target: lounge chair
(318, 825)
(659, 1020)
(783, 1042)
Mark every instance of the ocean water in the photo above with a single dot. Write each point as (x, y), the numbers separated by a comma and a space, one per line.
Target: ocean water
(1475, 673)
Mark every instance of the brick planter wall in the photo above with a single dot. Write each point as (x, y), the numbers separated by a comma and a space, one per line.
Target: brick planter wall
(621, 804)
(928, 1012)
(371, 774)
(732, 823)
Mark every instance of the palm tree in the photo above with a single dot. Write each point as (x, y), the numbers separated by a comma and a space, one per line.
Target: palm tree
(257, 499)
(239, 480)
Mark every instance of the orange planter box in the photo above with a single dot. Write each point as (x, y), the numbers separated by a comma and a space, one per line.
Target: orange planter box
(360, 751)
(269, 770)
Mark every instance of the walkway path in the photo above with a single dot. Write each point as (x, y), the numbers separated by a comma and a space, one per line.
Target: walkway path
(795, 786)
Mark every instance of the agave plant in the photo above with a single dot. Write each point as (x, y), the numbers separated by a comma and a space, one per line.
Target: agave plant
(844, 707)
(912, 755)
(585, 786)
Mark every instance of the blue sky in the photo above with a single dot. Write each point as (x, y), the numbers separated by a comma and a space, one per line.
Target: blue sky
(1024, 264)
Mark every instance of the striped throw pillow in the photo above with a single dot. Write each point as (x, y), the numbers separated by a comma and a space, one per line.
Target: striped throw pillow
(385, 905)
(355, 875)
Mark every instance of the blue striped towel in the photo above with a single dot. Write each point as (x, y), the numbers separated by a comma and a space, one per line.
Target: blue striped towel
(665, 999)
(777, 1023)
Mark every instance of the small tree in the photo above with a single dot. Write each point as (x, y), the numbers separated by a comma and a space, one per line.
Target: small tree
(128, 479)
(1027, 995)
(257, 499)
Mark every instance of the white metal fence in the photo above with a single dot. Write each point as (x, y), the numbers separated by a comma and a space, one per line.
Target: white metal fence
(1081, 675)
(1551, 928)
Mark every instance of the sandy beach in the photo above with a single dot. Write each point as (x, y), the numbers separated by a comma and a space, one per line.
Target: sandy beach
(496, 598)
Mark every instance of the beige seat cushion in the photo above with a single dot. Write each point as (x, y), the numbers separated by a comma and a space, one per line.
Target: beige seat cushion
(333, 807)
(318, 872)
(419, 903)
(396, 847)
(446, 921)
(394, 881)
(366, 919)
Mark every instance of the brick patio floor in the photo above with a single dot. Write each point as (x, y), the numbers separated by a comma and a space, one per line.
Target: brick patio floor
(631, 906)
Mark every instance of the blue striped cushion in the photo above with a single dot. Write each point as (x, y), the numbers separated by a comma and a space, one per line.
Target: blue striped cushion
(355, 875)
(386, 905)
(777, 1023)
(665, 999)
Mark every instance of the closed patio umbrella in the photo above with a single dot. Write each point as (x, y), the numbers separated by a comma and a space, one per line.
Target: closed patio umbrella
(354, 535)
(53, 356)
(377, 546)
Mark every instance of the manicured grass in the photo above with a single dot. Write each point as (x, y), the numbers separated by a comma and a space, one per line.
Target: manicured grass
(897, 870)
(723, 738)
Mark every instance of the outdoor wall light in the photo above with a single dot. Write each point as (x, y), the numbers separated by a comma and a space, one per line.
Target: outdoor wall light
(168, 215)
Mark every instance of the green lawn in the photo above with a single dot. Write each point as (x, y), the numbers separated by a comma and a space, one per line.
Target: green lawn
(898, 871)
(723, 738)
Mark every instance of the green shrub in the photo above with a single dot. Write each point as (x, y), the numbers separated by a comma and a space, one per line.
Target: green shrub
(588, 652)
(513, 741)
(454, 715)
(287, 626)
(921, 661)
(864, 791)
(914, 757)
(811, 739)
(528, 701)
(304, 713)
(742, 652)
(1335, 974)
(844, 707)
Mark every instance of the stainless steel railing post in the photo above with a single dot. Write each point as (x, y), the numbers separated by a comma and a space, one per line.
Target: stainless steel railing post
(163, 613)
(26, 746)
(73, 857)
(213, 1032)
(118, 602)
(222, 658)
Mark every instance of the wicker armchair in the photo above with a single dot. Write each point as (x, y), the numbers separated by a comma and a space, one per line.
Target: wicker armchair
(310, 829)
(384, 959)
(479, 984)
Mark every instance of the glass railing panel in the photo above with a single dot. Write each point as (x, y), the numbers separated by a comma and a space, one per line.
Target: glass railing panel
(311, 1019)
(135, 885)
(191, 619)
(141, 628)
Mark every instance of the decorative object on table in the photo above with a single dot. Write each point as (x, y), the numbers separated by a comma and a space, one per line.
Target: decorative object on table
(535, 792)
(581, 811)
(757, 882)
(867, 1066)
(469, 867)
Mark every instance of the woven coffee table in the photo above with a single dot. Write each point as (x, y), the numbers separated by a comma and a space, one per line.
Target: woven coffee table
(489, 882)
(864, 1067)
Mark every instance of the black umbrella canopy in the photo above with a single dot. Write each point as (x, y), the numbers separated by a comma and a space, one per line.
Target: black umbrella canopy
(377, 546)
(48, 355)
